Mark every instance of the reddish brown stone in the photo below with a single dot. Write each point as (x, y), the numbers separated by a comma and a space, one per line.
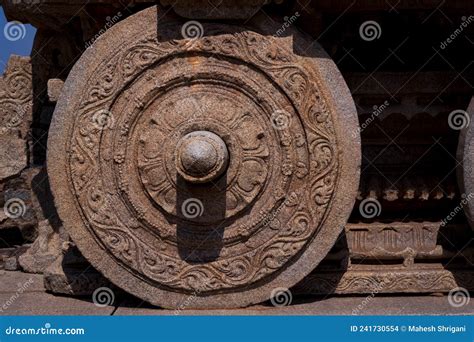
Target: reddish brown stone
(283, 113)
(55, 86)
(465, 156)
(16, 96)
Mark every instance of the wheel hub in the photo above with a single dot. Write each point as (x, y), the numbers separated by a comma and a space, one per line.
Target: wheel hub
(201, 157)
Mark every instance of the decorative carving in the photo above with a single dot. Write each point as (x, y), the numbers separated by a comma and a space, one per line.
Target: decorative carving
(396, 257)
(154, 122)
(16, 97)
(405, 241)
(203, 9)
(435, 279)
(264, 102)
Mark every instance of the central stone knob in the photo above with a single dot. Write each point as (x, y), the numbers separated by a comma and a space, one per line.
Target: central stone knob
(201, 157)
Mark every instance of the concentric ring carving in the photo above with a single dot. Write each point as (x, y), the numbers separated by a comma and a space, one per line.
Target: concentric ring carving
(257, 217)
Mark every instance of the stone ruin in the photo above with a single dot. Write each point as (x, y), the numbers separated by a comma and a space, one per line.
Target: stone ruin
(177, 151)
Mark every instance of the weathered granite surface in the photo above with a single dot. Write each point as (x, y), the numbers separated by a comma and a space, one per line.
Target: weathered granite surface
(34, 301)
(44, 250)
(16, 96)
(55, 86)
(71, 274)
(47, 246)
(16, 111)
(265, 219)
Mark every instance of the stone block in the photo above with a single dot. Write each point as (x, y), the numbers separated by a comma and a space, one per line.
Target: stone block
(16, 112)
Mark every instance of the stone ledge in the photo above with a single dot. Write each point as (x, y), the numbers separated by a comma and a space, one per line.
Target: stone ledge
(35, 301)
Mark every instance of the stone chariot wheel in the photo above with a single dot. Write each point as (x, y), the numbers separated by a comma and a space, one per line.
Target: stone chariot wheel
(216, 168)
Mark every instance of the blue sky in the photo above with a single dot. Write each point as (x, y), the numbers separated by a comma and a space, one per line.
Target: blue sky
(20, 42)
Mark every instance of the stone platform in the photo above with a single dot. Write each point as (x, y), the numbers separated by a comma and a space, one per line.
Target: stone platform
(24, 294)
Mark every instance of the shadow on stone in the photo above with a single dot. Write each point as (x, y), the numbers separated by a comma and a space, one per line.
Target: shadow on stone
(201, 220)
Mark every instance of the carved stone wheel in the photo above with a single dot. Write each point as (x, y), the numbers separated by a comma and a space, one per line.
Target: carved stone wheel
(203, 172)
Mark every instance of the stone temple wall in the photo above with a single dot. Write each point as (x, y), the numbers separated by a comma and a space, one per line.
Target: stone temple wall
(31, 236)
(408, 254)
(25, 220)
(19, 218)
